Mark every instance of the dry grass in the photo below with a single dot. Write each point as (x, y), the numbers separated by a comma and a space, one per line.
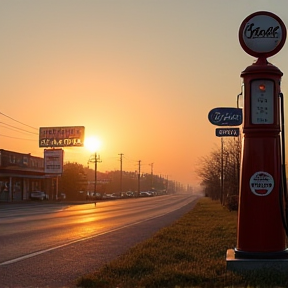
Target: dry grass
(189, 253)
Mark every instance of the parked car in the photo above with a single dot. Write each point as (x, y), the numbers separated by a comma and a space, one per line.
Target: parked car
(145, 194)
(90, 195)
(127, 194)
(110, 196)
(39, 195)
(93, 196)
(61, 196)
(130, 194)
(98, 195)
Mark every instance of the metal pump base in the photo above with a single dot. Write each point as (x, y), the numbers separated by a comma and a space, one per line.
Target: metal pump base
(239, 261)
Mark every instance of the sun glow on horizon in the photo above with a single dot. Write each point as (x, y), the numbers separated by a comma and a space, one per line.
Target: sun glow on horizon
(92, 143)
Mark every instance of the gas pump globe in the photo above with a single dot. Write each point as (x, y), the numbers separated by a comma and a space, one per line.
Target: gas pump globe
(261, 232)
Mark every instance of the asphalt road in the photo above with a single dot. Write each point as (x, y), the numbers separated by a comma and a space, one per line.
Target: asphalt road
(52, 245)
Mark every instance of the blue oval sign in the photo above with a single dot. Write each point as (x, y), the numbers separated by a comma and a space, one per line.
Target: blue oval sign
(225, 116)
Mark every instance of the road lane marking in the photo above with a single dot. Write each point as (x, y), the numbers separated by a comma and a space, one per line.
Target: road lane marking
(18, 259)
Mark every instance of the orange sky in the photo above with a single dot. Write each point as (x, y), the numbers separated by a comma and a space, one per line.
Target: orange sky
(140, 75)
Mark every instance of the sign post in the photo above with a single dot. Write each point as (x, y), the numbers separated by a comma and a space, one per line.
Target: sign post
(56, 138)
(225, 116)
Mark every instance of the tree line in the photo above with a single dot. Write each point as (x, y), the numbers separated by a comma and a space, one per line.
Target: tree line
(77, 179)
(220, 172)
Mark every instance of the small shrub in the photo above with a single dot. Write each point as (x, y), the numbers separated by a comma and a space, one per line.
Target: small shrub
(232, 202)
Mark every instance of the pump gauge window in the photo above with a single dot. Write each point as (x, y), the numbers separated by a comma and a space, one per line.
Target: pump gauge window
(262, 102)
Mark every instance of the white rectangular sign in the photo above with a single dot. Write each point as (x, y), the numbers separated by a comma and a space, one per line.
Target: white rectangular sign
(53, 160)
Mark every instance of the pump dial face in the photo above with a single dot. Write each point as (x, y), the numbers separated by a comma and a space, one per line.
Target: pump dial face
(262, 108)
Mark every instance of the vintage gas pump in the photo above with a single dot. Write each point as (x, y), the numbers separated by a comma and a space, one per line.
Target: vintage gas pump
(260, 232)
(260, 228)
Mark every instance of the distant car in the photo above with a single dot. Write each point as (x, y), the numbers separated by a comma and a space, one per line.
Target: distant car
(110, 196)
(152, 192)
(130, 194)
(145, 194)
(62, 196)
(39, 195)
(93, 195)
(127, 194)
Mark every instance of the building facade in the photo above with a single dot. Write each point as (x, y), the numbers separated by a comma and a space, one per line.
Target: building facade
(20, 174)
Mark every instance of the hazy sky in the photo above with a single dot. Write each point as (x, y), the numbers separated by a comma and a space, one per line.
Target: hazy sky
(140, 75)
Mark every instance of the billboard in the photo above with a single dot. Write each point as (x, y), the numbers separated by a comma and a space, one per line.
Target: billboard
(53, 161)
(70, 136)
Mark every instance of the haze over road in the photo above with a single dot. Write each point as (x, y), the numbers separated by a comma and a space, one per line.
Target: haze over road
(50, 245)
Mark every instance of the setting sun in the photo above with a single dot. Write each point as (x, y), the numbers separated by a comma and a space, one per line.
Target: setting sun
(92, 143)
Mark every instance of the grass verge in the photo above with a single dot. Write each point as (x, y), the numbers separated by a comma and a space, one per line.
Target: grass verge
(189, 253)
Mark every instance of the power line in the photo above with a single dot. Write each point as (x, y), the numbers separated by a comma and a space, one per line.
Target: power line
(8, 126)
(130, 160)
(18, 121)
(18, 138)
(19, 128)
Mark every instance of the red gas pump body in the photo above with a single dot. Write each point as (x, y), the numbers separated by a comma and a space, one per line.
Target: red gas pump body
(260, 228)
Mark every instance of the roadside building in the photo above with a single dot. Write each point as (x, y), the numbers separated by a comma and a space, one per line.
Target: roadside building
(22, 173)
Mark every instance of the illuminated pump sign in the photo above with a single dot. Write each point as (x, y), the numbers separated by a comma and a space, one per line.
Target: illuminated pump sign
(262, 34)
(53, 161)
(72, 136)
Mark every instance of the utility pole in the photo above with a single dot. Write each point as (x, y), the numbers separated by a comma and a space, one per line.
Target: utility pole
(151, 175)
(139, 169)
(167, 185)
(95, 160)
(222, 174)
(121, 171)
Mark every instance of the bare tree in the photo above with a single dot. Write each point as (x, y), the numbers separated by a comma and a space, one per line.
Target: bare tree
(209, 170)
